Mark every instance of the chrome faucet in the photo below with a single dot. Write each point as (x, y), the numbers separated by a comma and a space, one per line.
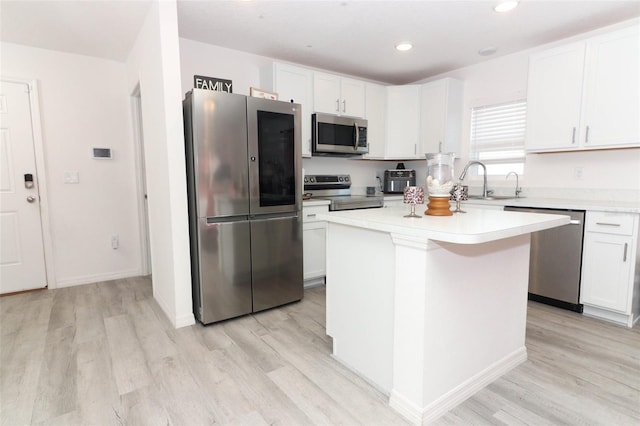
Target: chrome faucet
(518, 189)
(485, 191)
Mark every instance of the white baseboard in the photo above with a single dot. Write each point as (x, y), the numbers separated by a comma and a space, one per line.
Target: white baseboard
(424, 415)
(604, 314)
(184, 320)
(313, 282)
(96, 278)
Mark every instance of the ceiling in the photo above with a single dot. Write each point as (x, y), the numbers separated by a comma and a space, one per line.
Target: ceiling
(350, 37)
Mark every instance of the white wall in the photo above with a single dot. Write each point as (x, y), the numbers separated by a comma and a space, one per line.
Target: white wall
(84, 104)
(603, 172)
(243, 69)
(153, 64)
(213, 61)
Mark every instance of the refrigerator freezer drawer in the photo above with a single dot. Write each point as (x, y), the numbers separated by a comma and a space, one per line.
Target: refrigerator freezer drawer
(276, 261)
(225, 270)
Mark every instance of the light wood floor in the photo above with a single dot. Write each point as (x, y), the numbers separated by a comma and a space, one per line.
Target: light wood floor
(104, 354)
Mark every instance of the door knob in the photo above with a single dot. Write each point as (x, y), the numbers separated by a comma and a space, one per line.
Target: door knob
(31, 199)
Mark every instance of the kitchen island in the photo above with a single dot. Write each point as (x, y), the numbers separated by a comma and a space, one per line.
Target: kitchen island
(429, 310)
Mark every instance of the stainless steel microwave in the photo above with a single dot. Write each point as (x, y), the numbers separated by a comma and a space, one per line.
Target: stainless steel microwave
(337, 135)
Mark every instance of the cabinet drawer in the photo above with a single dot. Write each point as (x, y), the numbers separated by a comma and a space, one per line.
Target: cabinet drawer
(309, 214)
(610, 223)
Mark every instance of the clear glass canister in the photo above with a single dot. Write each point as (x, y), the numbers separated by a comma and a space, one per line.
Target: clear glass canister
(440, 174)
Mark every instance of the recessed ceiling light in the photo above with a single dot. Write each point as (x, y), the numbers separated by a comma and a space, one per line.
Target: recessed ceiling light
(404, 46)
(505, 6)
(486, 51)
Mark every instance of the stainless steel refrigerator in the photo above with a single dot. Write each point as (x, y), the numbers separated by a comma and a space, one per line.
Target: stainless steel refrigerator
(245, 222)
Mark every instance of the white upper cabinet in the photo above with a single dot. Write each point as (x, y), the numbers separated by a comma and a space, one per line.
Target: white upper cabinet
(612, 90)
(584, 95)
(403, 122)
(376, 115)
(293, 84)
(338, 95)
(441, 109)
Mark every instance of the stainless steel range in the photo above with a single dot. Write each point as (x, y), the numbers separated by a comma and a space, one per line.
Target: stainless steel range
(337, 189)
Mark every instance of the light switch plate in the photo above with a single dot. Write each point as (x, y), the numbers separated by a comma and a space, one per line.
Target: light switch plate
(71, 177)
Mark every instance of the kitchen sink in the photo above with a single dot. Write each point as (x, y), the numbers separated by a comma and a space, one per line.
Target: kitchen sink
(494, 197)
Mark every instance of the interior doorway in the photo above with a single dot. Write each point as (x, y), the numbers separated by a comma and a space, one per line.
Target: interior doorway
(141, 178)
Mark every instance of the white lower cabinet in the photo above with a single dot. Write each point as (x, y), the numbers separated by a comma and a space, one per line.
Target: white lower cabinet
(609, 262)
(314, 234)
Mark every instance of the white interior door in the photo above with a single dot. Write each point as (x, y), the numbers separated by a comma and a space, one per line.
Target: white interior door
(22, 264)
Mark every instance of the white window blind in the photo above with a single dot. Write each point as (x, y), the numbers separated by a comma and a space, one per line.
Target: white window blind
(497, 136)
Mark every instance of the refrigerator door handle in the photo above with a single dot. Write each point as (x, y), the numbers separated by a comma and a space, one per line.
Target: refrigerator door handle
(212, 221)
(274, 215)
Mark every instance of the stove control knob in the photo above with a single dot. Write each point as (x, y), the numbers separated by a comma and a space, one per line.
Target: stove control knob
(340, 179)
(312, 179)
(346, 178)
(306, 179)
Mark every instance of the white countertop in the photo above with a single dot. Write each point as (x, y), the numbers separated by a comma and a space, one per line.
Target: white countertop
(558, 203)
(476, 226)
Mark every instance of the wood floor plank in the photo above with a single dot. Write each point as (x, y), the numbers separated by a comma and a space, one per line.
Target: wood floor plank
(98, 399)
(57, 387)
(130, 368)
(106, 354)
(315, 403)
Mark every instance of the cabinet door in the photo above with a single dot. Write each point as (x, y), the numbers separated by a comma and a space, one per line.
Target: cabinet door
(352, 97)
(606, 269)
(441, 107)
(433, 116)
(326, 93)
(554, 97)
(294, 84)
(612, 103)
(375, 113)
(403, 121)
(314, 250)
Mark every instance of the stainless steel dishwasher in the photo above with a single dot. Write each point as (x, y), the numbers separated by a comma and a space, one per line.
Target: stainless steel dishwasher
(556, 260)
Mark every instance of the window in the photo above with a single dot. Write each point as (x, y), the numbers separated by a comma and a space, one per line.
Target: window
(497, 137)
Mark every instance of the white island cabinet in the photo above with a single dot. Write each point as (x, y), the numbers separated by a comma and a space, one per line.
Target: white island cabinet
(429, 310)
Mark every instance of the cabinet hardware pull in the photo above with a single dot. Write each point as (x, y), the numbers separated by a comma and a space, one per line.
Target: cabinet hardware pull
(624, 256)
(586, 135)
(311, 215)
(440, 147)
(573, 137)
(574, 222)
(607, 224)
(338, 105)
(344, 105)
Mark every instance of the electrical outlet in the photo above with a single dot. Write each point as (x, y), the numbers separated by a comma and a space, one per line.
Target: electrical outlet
(577, 173)
(115, 242)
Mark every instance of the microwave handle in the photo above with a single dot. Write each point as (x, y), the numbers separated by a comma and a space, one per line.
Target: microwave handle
(357, 137)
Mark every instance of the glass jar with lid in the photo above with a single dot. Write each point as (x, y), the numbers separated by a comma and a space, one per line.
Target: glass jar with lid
(440, 182)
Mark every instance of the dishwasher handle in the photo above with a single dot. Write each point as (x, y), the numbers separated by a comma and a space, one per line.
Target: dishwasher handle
(575, 222)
